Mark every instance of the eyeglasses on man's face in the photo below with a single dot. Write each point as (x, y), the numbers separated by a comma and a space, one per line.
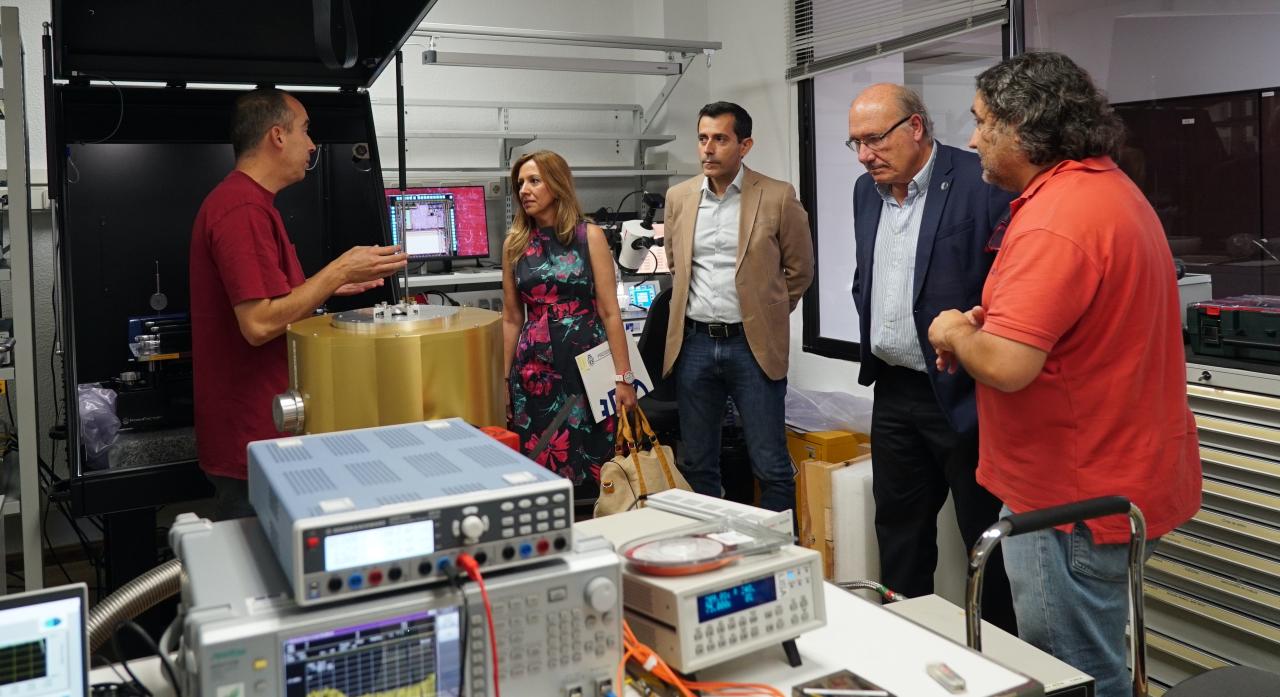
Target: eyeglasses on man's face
(877, 141)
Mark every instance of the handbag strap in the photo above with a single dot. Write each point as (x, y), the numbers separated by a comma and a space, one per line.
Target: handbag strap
(545, 439)
(633, 444)
(647, 430)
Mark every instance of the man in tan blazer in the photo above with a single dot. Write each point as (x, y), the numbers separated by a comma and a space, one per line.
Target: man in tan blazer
(741, 256)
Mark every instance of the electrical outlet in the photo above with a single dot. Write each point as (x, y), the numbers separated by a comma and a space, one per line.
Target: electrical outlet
(494, 188)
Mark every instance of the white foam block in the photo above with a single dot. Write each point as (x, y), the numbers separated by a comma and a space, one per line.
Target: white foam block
(853, 517)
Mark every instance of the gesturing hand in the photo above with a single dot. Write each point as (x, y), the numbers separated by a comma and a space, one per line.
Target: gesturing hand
(363, 264)
(358, 288)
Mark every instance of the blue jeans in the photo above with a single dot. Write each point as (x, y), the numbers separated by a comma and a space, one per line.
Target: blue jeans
(708, 371)
(1071, 597)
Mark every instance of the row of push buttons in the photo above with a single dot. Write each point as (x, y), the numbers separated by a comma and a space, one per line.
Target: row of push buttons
(538, 521)
(526, 503)
(728, 632)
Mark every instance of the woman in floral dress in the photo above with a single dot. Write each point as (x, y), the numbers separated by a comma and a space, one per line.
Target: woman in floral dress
(558, 286)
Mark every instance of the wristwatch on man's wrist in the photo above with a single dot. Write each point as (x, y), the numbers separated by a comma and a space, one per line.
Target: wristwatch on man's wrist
(628, 378)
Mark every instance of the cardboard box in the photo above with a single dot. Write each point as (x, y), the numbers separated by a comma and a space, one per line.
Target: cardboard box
(815, 516)
(830, 446)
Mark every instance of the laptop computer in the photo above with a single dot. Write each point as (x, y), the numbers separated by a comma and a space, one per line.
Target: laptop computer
(43, 647)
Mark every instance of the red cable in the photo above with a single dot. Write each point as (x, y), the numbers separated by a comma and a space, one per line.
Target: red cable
(469, 565)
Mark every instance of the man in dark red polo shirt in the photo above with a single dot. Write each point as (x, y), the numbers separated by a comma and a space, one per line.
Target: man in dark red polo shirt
(247, 286)
(1077, 351)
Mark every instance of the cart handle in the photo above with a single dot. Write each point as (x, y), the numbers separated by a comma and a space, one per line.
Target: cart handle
(1031, 521)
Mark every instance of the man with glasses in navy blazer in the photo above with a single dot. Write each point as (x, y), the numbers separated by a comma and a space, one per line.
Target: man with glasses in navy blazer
(922, 221)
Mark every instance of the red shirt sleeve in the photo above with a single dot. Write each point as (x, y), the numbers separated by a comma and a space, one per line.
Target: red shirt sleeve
(247, 254)
(1042, 284)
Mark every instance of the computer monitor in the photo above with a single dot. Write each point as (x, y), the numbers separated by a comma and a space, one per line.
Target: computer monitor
(43, 643)
(439, 222)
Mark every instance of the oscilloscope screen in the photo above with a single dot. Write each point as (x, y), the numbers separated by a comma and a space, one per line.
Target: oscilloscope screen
(415, 655)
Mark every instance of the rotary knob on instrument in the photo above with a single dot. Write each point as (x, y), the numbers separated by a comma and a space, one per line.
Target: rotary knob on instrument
(472, 528)
(287, 412)
(602, 594)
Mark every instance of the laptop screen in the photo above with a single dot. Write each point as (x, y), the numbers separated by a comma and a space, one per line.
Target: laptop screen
(42, 643)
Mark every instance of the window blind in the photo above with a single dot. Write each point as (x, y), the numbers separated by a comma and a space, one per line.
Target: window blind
(824, 35)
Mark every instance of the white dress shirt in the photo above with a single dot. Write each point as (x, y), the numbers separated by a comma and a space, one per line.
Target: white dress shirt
(713, 294)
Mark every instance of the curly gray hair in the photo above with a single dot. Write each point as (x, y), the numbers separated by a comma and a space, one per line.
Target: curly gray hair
(1053, 106)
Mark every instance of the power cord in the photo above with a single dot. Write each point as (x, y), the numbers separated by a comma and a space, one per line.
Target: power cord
(423, 297)
(624, 199)
(652, 663)
(151, 645)
(455, 579)
(123, 688)
(124, 663)
(472, 568)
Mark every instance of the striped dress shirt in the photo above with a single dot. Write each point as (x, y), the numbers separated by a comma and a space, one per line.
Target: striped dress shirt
(894, 339)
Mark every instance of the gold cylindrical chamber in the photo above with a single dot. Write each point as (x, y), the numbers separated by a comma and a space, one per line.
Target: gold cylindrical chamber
(393, 364)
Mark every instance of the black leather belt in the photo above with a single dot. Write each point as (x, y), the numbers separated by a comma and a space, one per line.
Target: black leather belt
(716, 330)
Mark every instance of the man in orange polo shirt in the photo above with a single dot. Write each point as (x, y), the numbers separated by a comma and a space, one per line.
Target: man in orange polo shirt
(1077, 351)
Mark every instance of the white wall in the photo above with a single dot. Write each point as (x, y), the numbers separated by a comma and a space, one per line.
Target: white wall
(750, 71)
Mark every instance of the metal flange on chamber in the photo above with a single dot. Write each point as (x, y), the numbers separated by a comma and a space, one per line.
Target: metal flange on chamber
(391, 364)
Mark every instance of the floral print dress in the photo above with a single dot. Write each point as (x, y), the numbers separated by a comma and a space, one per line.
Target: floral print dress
(556, 286)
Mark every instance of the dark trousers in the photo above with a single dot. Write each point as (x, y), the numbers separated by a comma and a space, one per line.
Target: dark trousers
(708, 371)
(230, 498)
(916, 459)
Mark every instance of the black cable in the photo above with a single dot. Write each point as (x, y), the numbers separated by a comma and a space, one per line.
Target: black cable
(119, 119)
(48, 478)
(618, 210)
(464, 634)
(153, 646)
(112, 689)
(447, 298)
(124, 662)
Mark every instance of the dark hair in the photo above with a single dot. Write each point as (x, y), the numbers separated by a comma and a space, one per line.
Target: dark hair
(256, 112)
(741, 119)
(1053, 106)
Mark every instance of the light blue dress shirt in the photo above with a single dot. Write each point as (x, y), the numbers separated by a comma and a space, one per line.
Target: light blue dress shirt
(713, 294)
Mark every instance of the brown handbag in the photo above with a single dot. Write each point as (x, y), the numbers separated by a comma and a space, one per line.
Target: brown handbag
(636, 471)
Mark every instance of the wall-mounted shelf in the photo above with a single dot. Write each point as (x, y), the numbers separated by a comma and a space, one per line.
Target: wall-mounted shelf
(677, 56)
(450, 175)
(516, 139)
